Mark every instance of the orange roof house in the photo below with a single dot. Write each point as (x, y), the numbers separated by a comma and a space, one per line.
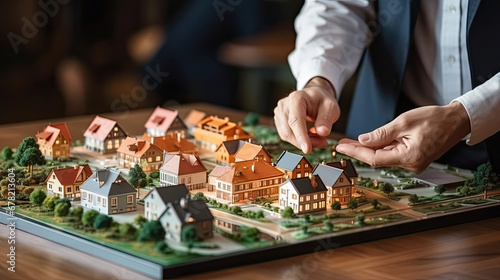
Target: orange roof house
(246, 180)
(173, 143)
(239, 150)
(183, 169)
(293, 165)
(251, 151)
(66, 182)
(163, 121)
(54, 141)
(133, 151)
(212, 131)
(103, 136)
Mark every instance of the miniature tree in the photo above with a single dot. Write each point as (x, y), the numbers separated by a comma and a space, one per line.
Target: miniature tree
(61, 210)
(139, 220)
(7, 153)
(48, 202)
(375, 203)
(28, 190)
(77, 212)
(439, 189)
(102, 221)
(252, 119)
(236, 210)
(198, 196)
(28, 142)
(287, 212)
(151, 231)
(387, 188)
(485, 178)
(250, 233)
(413, 199)
(352, 204)
(259, 214)
(464, 190)
(32, 156)
(327, 225)
(137, 178)
(162, 247)
(64, 201)
(128, 231)
(304, 228)
(360, 219)
(189, 236)
(88, 217)
(336, 206)
(37, 197)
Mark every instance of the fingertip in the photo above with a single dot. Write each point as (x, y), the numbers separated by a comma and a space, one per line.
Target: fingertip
(364, 138)
(323, 130)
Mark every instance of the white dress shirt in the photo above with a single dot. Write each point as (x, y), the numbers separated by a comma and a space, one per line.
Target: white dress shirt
(332, 36)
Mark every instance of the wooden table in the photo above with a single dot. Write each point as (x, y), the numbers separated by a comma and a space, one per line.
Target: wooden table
(465, 251)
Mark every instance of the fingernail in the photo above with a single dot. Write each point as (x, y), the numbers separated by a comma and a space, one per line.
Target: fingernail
(339, 148)
(304, 147)
(323, 128)
(364, 137)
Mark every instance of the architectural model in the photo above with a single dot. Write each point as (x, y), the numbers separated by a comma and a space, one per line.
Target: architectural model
(54, 141)
(104, 136)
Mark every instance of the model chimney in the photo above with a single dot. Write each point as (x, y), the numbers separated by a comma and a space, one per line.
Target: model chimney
(178, 137)
(253, 167)
(314, 184)
(343, 162)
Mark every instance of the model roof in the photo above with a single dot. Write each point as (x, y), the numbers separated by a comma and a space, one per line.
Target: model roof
(304, 185)
(161, 119)
(248, 151)
(232, 146)
(100, 128)
(347, 166)
(329, 175)
(51, 132)
(219, 170)
(249, 170)
(223, 125)
(171, 194)
(438, 177)
(289, 161)
(172, 143)
(107, 182)
(194, 117)
(137, 148)
(182, 164)
(69, 175)
(193, 211)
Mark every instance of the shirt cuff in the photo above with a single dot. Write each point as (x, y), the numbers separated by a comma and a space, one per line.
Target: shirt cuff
(482, 105)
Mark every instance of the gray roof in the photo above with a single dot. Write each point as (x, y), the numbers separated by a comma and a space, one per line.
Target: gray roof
(329, 175)
(303, 185)
(288, 161)
(107, 182)
(170, 193)
(232, 146)
(195, 208)
(349, 168)
(438, 177)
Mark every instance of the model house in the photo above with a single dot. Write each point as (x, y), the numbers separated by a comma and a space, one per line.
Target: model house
(103, 136)
(173, 208)
(183, 169)
(246, 180)
(173, 143)
(155, 202)
(249, 151)
(212, 131)
(303, 195)
(192, 120)
(224, 153)
(54, 141)
(340, 187)
(163, 121)
(293, 165)
(66, 182)
(133, 151)
(348, 167)
(108, 192)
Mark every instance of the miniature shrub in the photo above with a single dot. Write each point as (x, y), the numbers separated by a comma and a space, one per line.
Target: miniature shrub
(77, 212)
(128, 231)
(259, 214)
(5, 192)
(287, 212)
(88, 217)
(439, 189)
(7, 153)
(352, 204)
(375, 203)
(360, 219)
(162, 247)
(235, 210)
(198, 195)
(49, 202)
(155, 175)
(102, 221)
(139, 220)
(37, 197)
(64, 201)
(28, 181)
(151, 231)
(327, 225)
(61, 210)
(28, 190)
(413, 199)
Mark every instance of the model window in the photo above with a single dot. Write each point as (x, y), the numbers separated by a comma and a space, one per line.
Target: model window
(341, 180)
(104, 202)
(53, 176)
(114, 201)
(154, 206)
(308, 207)
(110, 145)
(115, 129)
(308, 198)
(130, 198)
(315, 205)
(294, 196)
(60, 189)
(99, 199)
(315, 197)
(299, 175)
(158, 158)
(347, 190)
(117, 144)
(77, 188)
(283, 191)
(307, 174)
(306, 165)
(68, 189)
(147, 204)
(90, 197)
(340, 191)
(301, 208)
(84, 195)
(298, 166)
(322, 195)
(50, 186)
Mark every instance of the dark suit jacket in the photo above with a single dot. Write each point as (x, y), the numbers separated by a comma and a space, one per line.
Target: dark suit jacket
(383, 66)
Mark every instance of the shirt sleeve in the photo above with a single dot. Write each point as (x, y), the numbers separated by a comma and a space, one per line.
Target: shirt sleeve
(483, 106)
(331, 38)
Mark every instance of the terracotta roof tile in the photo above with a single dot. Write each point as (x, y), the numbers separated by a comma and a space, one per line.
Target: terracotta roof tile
(68, 175)
(100, 128)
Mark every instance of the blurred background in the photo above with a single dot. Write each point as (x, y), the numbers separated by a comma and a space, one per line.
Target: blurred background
(70, 57)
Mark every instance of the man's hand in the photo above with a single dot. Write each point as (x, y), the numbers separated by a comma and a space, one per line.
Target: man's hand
(315, 103)
(413, 140)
